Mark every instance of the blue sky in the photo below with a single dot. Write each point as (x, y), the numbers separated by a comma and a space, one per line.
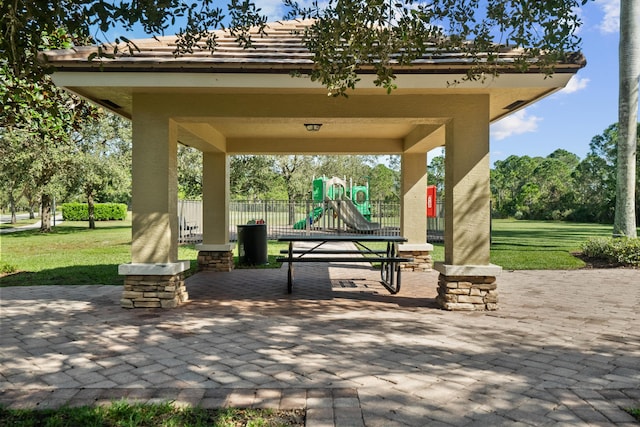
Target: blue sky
(570, 118)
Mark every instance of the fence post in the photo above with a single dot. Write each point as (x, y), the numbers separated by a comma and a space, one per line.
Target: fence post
(264, 208)
(307, 221)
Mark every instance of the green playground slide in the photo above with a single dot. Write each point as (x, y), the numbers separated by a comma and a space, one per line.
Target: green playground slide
(314, 216)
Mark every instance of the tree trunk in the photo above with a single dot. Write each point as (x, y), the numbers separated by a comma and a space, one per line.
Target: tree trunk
(32, 201)
(625, 215)
(45, 215)
(292, 212)
(92, 212)
(12, 208)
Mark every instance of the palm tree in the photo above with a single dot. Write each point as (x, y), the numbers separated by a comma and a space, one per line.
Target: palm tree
(625, 215)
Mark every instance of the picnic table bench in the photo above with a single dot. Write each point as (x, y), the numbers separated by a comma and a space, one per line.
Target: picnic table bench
(388, 258)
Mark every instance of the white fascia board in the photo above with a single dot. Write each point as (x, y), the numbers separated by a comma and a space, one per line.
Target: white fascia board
(279, 81)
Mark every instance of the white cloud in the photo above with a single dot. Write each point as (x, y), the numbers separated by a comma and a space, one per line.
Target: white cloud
(611, 21)
(273, 9)
(515, 124)
(575, 84)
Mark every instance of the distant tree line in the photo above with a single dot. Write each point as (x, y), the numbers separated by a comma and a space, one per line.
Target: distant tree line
(89, 162)
(94, 165)
(560, 186)
(377, 31)
(289, 177)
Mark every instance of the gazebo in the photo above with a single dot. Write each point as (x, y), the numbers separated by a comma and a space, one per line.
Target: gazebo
(245, 101)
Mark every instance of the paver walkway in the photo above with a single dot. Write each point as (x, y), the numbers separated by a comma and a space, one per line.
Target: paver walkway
(36, 225)
(563, 349)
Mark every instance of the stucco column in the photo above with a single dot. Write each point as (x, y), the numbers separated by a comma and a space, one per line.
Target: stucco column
(467, 278)
(467, 191)
(154, 190)
(413, 201)
(155, 276)
(413, 205)
(215, 251)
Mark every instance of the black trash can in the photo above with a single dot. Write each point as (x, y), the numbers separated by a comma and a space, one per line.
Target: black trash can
(252, 244)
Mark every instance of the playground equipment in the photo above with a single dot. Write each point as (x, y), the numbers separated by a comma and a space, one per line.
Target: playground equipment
(350, 203)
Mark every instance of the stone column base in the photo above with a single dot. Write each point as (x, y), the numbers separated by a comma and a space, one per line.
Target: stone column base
(468, 287)
(215, 257)
(421, 254)
(154, 285)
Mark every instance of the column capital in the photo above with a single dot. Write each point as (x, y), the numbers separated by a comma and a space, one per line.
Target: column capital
(150, 269)
(224, 247)
(417, 247)
(468, 270)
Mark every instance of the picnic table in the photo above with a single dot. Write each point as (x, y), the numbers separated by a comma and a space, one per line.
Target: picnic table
(388, 258)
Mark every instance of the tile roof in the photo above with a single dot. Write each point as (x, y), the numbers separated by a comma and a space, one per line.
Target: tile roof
(281, 51)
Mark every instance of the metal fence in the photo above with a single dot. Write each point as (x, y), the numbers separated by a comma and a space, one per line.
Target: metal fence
(283, 218)
(190, 221)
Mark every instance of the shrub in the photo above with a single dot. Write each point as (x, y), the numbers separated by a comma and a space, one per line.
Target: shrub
(75, 212)
(102, 212)
(110, 211)
(625, 251)
(561, 215)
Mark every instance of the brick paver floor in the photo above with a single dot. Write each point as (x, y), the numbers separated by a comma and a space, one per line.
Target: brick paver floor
(564, 348)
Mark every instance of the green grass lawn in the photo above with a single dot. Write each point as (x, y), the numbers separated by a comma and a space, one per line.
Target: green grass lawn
(121, 413)
(72, 254)
(530, 245)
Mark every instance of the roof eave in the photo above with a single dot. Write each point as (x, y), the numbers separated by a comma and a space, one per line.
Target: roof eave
(305, 67)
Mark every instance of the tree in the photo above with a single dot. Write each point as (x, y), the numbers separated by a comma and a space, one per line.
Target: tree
(189, 173)
(352, 167)
(32, 165)
(29, 99)
(552, 178)
(566, 157)
(45, 144)
(27, 24)
(534, 187)
(14, 162)
(101, 160)
(561, 186)
(597, 176)
(435, 175)
(45, 114)
(594, 185)
(296, 172)
(252, 177)
(384, 184)
(352, 37)
(508, 178)
(625, 214)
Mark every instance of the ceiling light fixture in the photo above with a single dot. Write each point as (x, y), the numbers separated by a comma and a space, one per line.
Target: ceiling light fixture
(313, 127)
